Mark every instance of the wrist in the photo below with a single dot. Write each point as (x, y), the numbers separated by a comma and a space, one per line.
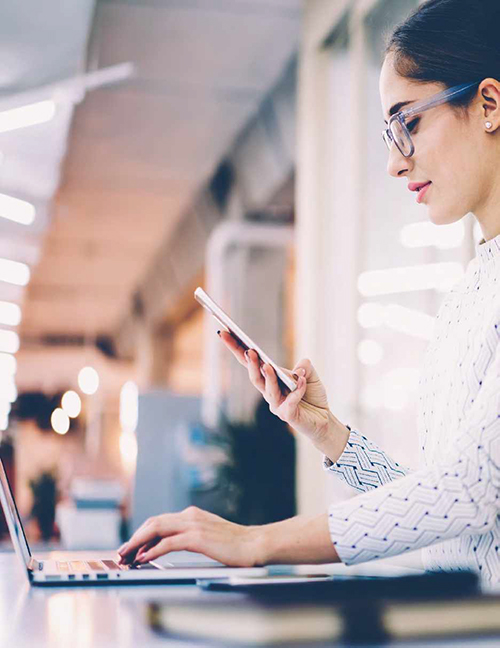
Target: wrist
(333, 441)
(259, 544)
(297, 540)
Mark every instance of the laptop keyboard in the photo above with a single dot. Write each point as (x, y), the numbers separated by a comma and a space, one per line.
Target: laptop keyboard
(80, 566)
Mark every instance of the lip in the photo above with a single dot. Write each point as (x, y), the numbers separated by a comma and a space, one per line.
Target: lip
(421, 189)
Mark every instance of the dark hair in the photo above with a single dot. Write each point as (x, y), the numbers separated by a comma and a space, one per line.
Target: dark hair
(449, 42)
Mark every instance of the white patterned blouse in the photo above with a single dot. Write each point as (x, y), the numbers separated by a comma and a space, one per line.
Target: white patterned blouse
(450, 506)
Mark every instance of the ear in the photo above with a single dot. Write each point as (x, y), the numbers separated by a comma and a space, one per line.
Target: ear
(489, 90)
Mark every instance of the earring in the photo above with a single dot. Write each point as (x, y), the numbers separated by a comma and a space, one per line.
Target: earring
(488, 125)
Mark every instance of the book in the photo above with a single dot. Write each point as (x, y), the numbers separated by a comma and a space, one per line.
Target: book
(248, 623)
(319, 615)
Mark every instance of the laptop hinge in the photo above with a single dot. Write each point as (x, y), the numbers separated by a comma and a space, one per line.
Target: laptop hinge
(33, 564)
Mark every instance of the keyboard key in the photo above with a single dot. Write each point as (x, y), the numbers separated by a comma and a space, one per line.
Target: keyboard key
(78, 566)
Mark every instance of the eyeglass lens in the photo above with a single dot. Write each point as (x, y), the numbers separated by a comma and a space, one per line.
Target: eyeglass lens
(401, 137)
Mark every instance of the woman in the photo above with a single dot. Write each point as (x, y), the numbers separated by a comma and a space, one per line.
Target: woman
(441, 98)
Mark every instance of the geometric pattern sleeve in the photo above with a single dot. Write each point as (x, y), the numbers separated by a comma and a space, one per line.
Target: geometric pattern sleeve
(363, 465)
(459, 496)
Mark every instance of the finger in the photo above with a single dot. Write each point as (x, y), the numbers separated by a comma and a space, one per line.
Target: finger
(273, 392)
(124, 546)
(179, 542)
(138, 540)
(146, 548)
(159, 527)
(254, 372)
(134, 555)
(237, 349)
(304, 368)
(127, 559)
(294, 398)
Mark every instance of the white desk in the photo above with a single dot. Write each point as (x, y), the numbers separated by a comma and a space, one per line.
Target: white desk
(101, 617)
(81, 617)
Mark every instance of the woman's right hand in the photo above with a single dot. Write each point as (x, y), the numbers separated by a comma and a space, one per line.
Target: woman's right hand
(305, 409)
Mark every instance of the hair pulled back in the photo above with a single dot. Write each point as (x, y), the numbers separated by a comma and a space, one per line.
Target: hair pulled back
(449, 42)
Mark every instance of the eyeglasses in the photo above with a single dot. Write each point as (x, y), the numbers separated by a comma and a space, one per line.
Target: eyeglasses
(397, 131)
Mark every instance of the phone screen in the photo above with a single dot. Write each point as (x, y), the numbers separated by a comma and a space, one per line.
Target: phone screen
(229, 325)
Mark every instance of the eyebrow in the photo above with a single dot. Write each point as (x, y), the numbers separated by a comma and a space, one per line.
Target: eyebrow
(397, 107)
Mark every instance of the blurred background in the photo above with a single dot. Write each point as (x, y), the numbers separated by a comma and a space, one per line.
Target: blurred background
(148, 147)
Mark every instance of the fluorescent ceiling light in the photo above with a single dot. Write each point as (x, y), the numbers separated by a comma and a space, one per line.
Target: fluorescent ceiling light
(425, 234)
(14, 272)
(8, 364)
(10, 314)
(409, 321)
(397, 317)
(8, 391)
(12, 392)
(16, 210)
(436, 276)
(5, 407)
(9, 341)
(370, 352)
(36, 113)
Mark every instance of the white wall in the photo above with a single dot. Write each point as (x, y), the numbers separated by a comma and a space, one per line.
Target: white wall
(320, 256)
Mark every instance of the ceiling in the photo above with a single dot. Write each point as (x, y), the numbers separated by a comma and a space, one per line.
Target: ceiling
(33, 56)
(136, 152)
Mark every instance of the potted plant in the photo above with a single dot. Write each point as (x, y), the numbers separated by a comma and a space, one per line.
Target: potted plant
(44, 489)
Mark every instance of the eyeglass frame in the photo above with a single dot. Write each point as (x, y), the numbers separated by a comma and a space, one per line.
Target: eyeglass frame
(435, 100)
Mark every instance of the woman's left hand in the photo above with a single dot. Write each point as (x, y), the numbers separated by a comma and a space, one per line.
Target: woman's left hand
(192, 530)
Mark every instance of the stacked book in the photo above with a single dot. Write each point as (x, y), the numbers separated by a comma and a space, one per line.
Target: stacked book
(350, 610)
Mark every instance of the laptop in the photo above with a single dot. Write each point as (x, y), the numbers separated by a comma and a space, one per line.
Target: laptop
(73, 568)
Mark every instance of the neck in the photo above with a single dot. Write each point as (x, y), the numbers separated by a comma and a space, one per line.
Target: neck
(487, 213)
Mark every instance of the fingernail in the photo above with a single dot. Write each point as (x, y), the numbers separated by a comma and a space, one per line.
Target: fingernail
(302, 372)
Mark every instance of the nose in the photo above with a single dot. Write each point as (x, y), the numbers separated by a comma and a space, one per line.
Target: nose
(398, 165)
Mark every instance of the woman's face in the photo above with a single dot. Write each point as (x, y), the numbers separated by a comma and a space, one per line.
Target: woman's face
(450, 150)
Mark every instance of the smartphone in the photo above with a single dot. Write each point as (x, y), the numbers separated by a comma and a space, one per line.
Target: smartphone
(227, 323)
(240, 583)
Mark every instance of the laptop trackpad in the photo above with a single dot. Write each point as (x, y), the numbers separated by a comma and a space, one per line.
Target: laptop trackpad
(188, 559)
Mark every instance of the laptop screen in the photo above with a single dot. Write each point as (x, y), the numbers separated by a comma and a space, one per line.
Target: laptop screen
(12, 516)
